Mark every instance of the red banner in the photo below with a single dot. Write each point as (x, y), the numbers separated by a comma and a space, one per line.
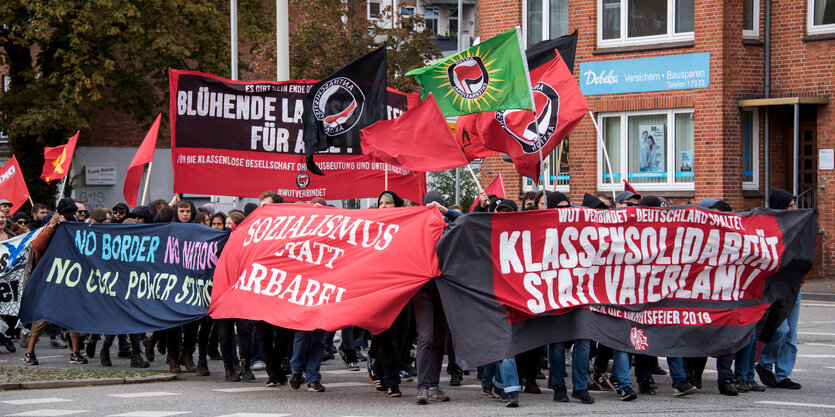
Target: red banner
(12, 185)
(241, 138)
(304, 267)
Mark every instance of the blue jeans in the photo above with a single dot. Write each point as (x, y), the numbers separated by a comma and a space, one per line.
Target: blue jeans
(744, 366)
(510, 377)
(308, 351)
(780, 353)
(620, 368)
(676, 366)
(579, 364)
(491, 371)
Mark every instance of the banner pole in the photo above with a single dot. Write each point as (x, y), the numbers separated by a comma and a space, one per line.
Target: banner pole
(147, 180)
(477, 184)
(559, 163)
(386, 184)
(31, 202)
(605, 154)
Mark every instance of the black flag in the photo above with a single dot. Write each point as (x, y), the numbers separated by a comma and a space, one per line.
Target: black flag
(543, 52)
(350, 99)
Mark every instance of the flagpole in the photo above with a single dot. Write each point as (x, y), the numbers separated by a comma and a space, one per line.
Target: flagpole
(147, 180)
(477, 184)
(605, 154)
(533, 105)
(559, 163)
(386, 184)
(31, 202)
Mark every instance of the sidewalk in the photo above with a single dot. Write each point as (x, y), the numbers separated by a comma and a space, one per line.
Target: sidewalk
(819, 289)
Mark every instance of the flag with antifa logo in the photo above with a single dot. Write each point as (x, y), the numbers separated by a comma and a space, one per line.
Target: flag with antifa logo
(487, 77)
(655, 281)
(343, 103)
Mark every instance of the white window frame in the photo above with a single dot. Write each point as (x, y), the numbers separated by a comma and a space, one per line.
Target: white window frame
(412, 9)
(380, 9)
(670, 185)
(624, 40)
(755, 32)
(755, 149)
(811, 27)
(436, 18)
(546, 21)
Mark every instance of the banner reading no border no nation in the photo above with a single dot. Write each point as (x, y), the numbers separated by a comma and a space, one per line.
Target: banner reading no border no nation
(663, 282)
(114, 279)
(240, 138)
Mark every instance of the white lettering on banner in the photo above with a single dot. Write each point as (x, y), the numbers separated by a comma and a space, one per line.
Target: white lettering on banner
(310, 293)
(8, 174)
(633, 263)
(356, 232)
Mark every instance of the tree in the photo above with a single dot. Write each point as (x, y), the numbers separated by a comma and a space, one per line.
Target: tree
(444, 181)
(69, 59)
(327, 34)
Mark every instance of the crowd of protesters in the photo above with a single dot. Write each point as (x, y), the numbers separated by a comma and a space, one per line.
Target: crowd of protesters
(415, 344)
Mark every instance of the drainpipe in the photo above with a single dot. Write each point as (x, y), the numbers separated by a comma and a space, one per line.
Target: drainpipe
(767, 89)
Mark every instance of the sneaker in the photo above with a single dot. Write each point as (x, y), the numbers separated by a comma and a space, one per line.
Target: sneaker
(455, 379)
(77, 358)
(296, 381)
(258, 366)
(658, 371)
(410, 369)
(30, 359)
(126, 354)
(405, 376)
(600, 380)
(487, 391)
(532, 388)
(316, 386)
(755, 387)
(560, 394)
(727, 387)
(682, 388)
(627, 393)
(766, 376)
(741, 386)
(271, 383)
(360, 356)
(24, 341)
(379, 388)
(9, 345)
(353, 366)
(422, 396)
(513, 399)
(583, 396)
(435, 394)
(394, 392)
(593, 386)
(645, 388)
(610, 381)
(90, 348)
(788, 384)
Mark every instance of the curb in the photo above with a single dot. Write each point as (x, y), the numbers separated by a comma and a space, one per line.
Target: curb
(9, 386)
(814, 296)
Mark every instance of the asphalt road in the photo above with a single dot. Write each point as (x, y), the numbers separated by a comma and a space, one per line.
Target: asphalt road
(351, 394)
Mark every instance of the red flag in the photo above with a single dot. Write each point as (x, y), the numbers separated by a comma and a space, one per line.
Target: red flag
(471, 144)
(12, 185)
(560, 106)
(57, 160)
(144, 155)
(628, 187)
(496, 187)
(419, 140)
(303, 267)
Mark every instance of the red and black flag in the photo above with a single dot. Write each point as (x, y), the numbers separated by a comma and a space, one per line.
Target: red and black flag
(656, 281)
(544, 52)
(338, 106)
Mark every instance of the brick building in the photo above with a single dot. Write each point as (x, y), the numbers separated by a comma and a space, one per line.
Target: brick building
(693, 75)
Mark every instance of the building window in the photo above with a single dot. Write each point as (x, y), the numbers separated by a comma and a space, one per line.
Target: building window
(631, 22)
(552, 180)
(452, 22)
(751, 19)
(544, 19)
(821, 16)
(653, 150)
(431, 15)
(750, 149)
(373, 9)
(407, 11)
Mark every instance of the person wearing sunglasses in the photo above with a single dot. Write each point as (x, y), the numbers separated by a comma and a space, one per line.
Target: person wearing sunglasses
(82, 214)
(120, 213)
(627, 199)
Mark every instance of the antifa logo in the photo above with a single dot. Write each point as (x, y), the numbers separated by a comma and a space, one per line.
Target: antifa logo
(469, 78)
(303, 180)
(533, 135)
(638, 339)
(338, 105)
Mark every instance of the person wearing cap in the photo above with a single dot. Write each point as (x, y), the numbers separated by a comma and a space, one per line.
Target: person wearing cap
(707, 202)
(504, 205)
(6, 207)
(18, 223)
(650, 201)
(594, 202)
(778, 356)
(120, 213)
(626, 198)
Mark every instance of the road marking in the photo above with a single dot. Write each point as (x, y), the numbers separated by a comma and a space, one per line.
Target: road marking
(50, 356)
(823, 322)
(348, 384)
(796, 404)
(150, 414)
(342, 371)
(817, 356)
(144, 394)
(818, 344)
(830, 367)
(35, 401)
(254, 415)
(50, 413)
(817, 333)
(245, 389)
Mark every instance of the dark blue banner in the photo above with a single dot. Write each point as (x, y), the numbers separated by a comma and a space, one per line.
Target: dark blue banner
(114, 278)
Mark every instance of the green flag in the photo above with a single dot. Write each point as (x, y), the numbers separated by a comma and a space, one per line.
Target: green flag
(490, 76)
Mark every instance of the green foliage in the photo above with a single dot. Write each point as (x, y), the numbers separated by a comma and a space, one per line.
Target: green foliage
(68, 59)
(444, 181)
